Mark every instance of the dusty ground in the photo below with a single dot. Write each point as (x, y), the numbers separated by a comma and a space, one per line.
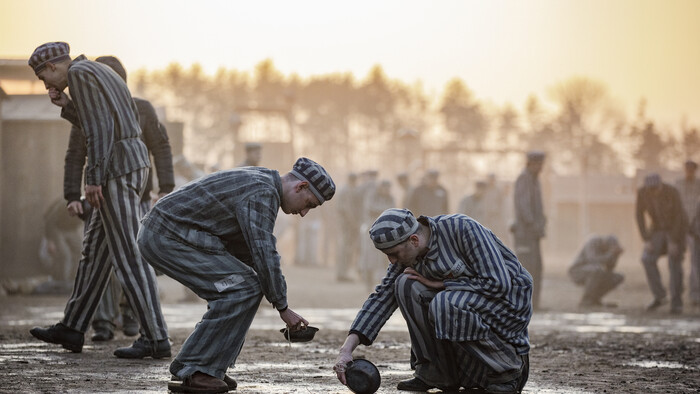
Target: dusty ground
(621, 350)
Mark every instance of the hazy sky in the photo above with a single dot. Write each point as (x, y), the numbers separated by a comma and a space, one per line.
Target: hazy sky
(503, 50)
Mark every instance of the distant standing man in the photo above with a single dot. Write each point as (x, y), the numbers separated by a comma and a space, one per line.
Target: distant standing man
(464, 296)
(154, 135)
(215, 236)
(666, 234)
(430, 197)
(529, 226)
(116, 173)
(689, 189)
(348, 208)
(593, 269)
(253, 155)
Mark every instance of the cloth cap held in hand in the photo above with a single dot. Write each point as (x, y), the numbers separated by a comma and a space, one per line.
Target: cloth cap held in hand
(50, 52)
(322, 185)
(392, 227)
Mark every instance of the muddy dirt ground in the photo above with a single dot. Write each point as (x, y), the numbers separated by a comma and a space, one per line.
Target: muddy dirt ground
(613, 350)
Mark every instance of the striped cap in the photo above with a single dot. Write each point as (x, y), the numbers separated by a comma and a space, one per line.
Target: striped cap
(49, 52)
(322, 185)
(392, 227)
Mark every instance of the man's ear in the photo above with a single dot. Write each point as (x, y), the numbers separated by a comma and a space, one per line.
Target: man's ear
(414, 239)
(301, 186)
(51, 66)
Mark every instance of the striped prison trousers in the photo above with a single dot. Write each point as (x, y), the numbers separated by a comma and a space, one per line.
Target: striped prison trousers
(443, 363)
(232, 291)
(109, 245)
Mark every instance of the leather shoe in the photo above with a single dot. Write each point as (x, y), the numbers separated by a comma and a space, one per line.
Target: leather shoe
(230, 382)
(143, 347)
(510, 387)
(656, 303)
(102, 334)
(61, 334)
(199, 383)
(414, 384)
(130, 327)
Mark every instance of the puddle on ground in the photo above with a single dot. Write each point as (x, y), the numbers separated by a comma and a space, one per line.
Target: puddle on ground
(659, 364)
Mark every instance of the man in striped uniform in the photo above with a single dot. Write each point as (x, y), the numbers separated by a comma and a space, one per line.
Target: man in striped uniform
(464, 295)
(154, 135)
(117, 168)
(215, 236)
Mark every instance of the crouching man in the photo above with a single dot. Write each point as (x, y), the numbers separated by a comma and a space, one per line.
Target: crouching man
(214, 235)
(464, 295)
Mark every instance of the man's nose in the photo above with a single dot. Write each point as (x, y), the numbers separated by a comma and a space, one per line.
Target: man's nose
(304, 212)
(46, 85)
(393, 260)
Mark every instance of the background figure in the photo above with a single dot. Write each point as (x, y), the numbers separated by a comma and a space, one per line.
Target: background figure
(529, 226)
(689, 190)
(593, 269)
(347, 203)
(253, 155)
(366, 188)
(405, 188)
(666, 234)
(429, 198)
(474, 205)
(307, 237)
(373, 263)
(494, 207)
(60, 244)
(114, 307)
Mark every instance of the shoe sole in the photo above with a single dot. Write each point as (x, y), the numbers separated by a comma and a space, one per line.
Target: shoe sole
(69, 346)
(156, 356)
(180, 387)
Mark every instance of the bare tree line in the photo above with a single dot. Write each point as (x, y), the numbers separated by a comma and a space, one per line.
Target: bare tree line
(360, 118)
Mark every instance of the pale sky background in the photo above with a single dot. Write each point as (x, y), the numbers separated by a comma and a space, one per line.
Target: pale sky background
(503, 50)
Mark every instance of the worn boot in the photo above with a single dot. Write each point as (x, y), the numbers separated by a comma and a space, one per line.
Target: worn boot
(103, 331)
(130, 326)
(143, 347)
(199, 382)
(61, 334)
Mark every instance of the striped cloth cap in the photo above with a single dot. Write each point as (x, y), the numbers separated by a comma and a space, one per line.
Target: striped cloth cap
(322, 186)
(392, 227)
(49, 52)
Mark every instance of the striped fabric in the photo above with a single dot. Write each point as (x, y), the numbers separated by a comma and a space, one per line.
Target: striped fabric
(153, 135)
(321, 183)
(109, 121)
(110, 242)
(233, 293)
(228, 212)
(487, 290)
(49, 52)
(449, 363)
(392, 227)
